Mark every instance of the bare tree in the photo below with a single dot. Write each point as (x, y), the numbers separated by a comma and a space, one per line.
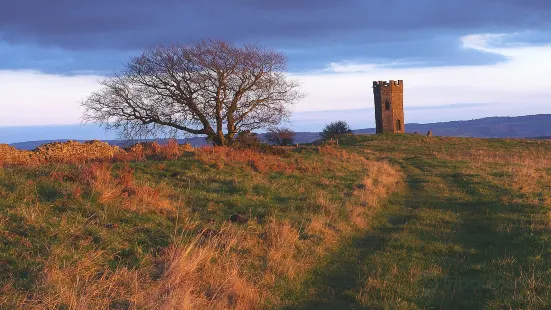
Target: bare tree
(280, 136)
(209, 88)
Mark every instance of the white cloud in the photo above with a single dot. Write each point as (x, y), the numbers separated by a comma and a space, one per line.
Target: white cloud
(519, 86)
(34, 98)
(481, 42)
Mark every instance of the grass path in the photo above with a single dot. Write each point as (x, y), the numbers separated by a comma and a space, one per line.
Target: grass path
(454, 238)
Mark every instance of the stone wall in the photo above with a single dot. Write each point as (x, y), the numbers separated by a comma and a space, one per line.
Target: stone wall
(69, 151)
(392, 93)
(387, 115)
(72, 151)
(398, 106)
(12, 156)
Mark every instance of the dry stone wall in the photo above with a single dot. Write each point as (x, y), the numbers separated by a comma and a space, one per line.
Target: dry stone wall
(69, 151)
(12, 156)
(72, 151)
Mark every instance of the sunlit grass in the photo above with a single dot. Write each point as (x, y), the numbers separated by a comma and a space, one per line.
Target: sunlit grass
(149, 228)
(470, 230)
(387, 221)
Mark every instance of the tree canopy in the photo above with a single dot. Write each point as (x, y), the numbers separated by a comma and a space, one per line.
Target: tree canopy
(335, 129)
(210, 88)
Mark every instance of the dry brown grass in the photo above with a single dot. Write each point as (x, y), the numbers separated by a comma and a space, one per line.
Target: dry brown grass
(259, 162)
(205, 275)
(85, 283)
(123, 190)
(380, 181)
(285, 251)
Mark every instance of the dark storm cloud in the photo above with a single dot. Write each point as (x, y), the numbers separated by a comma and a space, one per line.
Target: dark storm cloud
(391, 29)
(135, 23)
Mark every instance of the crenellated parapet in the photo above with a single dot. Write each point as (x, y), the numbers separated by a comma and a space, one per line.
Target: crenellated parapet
(377, 84)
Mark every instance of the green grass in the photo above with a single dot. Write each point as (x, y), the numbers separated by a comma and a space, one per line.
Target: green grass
(468, 228)
(462, 235)
(68, 231)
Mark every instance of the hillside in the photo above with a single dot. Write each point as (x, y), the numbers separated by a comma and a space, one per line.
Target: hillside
(470, 230)
(386, 221)
(531, 126)
(171, 226)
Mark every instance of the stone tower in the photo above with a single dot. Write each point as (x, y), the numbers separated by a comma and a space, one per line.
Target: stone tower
(389, 106)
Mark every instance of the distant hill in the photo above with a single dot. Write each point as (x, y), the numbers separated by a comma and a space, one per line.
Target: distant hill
(531, 126)
(302, 137)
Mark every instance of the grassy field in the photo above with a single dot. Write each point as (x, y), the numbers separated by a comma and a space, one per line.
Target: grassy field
(155, 233)
(391, 221)
(470, 230)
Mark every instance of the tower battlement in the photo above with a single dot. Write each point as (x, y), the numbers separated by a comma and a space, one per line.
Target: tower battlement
(377, 84)
(389, 106)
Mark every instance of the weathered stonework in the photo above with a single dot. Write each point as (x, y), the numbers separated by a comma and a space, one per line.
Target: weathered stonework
(73, 152)
(58, 152)
(389, 106)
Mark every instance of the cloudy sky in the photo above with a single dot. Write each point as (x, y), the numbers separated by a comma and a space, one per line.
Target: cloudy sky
(458, 59)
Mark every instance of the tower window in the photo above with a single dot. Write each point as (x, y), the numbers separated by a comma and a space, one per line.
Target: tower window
(387, 105)
(398, 125)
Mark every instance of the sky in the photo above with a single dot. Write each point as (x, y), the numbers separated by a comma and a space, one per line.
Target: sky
(459, 59)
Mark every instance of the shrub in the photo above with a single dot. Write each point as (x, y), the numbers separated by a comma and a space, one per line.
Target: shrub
(335, 129)
(280, 136)
(251, 141)
(247, 140)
